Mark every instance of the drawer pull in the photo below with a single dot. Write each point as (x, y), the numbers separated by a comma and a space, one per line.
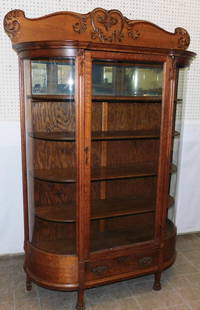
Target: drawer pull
(145, 261)
(99, 269)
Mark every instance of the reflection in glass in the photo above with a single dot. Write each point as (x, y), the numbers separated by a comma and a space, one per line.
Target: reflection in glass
(53, 77)
(123, 79)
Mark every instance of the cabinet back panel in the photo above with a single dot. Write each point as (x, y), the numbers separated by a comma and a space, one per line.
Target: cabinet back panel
(54, 237)
(52, 155)
(134, 116)
(139, 221)
(131, 188)
(53, 194)
(125, 152)
(128, 115)
(122, 231)
(53, 116)
(96, 116)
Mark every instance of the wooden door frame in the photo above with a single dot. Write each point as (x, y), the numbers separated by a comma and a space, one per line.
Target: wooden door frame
(83, 114)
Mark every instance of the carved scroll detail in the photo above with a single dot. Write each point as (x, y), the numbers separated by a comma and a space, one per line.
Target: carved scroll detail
(183, 38)
(11, 22)
(80, 26)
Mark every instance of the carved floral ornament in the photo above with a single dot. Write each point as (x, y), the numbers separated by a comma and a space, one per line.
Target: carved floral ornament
(99, 25)
(107, 26)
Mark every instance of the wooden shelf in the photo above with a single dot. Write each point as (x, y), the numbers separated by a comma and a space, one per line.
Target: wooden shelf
(125, 135)
(101, 209)
(48, 97)
(57, 97)
(100, 135)
(131, 99)
(68, 175)
(53, 136)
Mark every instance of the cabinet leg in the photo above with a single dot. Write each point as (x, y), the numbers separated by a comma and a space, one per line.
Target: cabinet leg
(157, 284)
(28, 284)
(80, 300)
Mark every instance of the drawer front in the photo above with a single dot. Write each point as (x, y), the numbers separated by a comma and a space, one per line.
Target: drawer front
(122, 264)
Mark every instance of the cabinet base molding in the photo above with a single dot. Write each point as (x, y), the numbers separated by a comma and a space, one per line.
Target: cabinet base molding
(60, 272)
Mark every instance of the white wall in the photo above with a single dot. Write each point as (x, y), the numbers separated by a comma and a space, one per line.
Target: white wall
(188, 193)
(167, 14)
(11, 223)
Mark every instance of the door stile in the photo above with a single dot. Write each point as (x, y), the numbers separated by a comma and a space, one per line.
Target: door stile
(83, 146)
(23, 148)
(167, 126)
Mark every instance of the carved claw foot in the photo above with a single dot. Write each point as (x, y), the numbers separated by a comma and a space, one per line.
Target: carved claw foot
(28, 284)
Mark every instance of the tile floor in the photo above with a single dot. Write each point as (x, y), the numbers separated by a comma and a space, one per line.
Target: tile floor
(180, 287)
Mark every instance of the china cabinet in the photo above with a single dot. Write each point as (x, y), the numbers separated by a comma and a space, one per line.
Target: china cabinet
(98, 102)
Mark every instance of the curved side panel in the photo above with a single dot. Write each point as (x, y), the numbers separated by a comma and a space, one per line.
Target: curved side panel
(169, 250)
(52, 270)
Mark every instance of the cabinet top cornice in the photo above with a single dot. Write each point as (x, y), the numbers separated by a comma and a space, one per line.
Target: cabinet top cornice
(98, 26)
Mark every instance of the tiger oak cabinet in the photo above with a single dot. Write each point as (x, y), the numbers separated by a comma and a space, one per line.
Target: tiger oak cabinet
(98, 101)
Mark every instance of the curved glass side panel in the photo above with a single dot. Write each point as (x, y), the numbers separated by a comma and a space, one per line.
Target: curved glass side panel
(52, 77)
(179, 110)
(51, 154)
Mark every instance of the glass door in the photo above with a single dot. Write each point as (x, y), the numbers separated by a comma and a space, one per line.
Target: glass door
(51, 154)
(125, 139)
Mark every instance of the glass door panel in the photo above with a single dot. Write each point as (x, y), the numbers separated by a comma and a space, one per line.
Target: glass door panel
(126, 119)
(51, 154)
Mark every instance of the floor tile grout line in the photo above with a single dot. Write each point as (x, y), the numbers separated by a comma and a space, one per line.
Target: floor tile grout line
(187, 259)
(134, 297)
(185, 302)
(14, 302)
(39, 299)
(178, 293)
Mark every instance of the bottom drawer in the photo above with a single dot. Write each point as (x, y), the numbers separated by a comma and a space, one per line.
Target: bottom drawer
(136, 262)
